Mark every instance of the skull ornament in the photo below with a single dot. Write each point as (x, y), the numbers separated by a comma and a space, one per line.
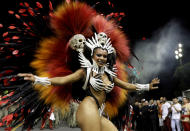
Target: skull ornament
(102, 37)
(77, 42)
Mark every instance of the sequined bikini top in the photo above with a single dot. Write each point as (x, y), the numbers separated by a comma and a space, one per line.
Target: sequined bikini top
(98, 85)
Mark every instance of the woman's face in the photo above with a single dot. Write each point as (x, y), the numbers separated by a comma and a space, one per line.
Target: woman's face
(100, 56)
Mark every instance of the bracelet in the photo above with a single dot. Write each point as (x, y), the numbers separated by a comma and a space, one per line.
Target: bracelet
(142, 87)
(42, 80)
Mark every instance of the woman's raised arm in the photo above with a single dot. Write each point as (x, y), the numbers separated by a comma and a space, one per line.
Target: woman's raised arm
(129, 86)
(77, 75)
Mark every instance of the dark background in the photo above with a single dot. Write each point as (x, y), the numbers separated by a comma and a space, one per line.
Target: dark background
(142, 19)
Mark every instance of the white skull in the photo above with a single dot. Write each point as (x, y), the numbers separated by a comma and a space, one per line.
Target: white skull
(102, 37)
(77, 42)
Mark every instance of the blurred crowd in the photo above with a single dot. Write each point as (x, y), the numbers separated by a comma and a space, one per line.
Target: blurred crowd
(152, 115)
(161, 115)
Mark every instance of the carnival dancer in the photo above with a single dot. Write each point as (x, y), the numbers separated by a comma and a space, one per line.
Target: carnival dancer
(99, 81)
(66, 65)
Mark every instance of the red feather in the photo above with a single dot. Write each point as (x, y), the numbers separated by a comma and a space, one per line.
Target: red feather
(11, 12)
(26, 4)
(17, 16)
(11, 27)
(39, 5)
(22, 10)
(1, 25)
(5, 34)
(118, 38)
(21, 4)
(31, 12)
(71, 19)
(25, 24)
(15, 37)
(23, 14)
(7, 39)
(68, 1)
(50, 6)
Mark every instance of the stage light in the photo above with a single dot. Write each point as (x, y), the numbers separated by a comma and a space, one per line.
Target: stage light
(180, 55)
(180, 49)
(180, 45)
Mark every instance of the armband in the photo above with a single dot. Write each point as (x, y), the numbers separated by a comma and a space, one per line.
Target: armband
(142, 87)
(42, 80)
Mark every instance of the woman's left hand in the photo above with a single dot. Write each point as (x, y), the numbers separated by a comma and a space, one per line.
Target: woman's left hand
(153, 82)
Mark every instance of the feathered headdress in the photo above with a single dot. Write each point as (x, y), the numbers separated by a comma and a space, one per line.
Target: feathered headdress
(95, 43)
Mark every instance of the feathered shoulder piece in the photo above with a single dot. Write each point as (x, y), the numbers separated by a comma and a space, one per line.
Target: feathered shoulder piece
(55, 55)
(117, 37)
(54, 58)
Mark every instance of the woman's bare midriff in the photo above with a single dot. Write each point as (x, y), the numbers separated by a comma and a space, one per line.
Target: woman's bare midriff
(101, 95)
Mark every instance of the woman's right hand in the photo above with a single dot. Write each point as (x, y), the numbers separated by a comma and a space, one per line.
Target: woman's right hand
(27, 76)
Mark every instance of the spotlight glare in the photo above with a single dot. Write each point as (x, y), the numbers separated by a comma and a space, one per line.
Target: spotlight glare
(180, 50)
(180, 45)
(180, 55)
(176, 52)
(177, 57)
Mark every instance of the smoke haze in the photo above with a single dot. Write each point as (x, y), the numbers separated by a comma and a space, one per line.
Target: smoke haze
(156, 54)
